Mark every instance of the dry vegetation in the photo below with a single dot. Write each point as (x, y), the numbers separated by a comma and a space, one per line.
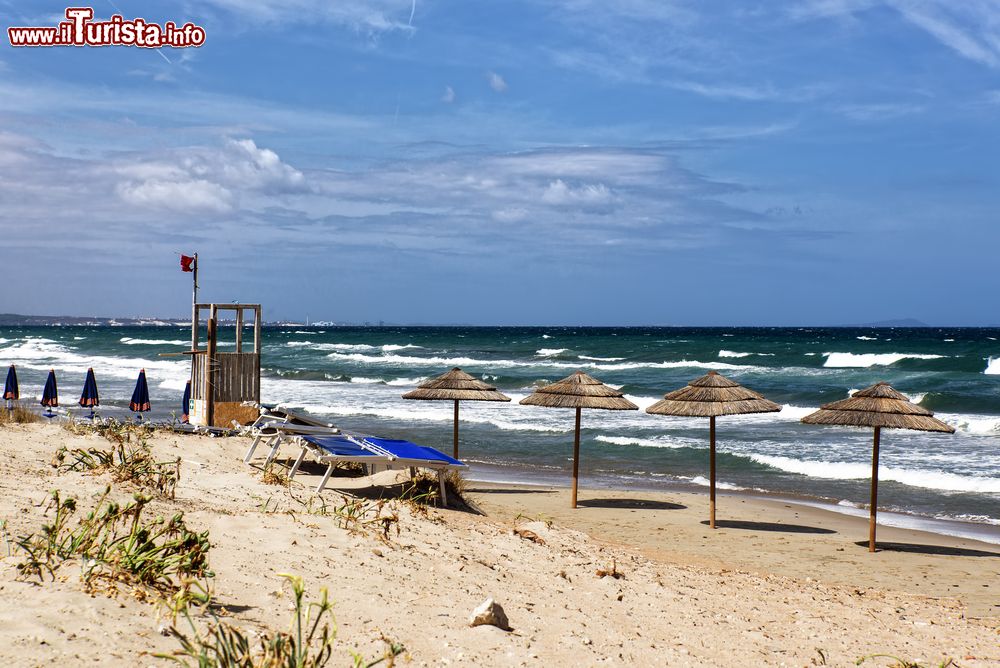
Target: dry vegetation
(18, 415)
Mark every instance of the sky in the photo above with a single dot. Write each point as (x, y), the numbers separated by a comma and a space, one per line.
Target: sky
(556, 162)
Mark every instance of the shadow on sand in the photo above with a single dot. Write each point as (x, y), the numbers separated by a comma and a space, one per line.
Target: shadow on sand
(630, 504)
(507, 490)
(767, 526)
(930, 549)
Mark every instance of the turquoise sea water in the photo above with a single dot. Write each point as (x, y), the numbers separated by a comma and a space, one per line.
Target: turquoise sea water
(356, 376)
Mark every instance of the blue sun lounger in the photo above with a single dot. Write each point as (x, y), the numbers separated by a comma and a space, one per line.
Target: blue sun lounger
(372, 451)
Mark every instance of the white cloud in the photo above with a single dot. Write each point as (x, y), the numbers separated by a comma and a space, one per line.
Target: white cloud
(497, 82)
(449, 95)
(560, 194)
(971, 28)
(191, 195)
(205, 178)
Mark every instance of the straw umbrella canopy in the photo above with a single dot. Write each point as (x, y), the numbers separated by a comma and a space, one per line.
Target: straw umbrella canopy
(710, 396)
(880, 407)
(578, 391)
(456, 385)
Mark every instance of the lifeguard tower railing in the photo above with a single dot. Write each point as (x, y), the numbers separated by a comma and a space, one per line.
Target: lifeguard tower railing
(222, 381)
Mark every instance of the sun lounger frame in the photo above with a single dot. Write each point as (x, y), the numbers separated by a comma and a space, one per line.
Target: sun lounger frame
(379, 455)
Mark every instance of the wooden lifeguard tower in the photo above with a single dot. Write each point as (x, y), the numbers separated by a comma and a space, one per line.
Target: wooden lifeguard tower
(222, 381)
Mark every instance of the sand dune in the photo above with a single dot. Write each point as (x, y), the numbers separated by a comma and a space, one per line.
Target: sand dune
(682, 600)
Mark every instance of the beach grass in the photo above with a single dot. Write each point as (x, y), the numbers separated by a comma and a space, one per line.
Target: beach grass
(130, 458)
(118, 545)
(309, 642)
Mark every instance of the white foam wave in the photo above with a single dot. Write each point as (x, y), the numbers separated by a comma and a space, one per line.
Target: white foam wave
(43, 354)
(361, 380)
(705, 482)
(549, 352)
(981, 425)
(407, 360)
(400, 382)
(643, 442)
(546, 336)
(866, 338)
(153, 342)
(864, 360)
(993, 367)
(599, 359)
(790, 412)
(642, 402)
(403, 382)
(349, 347)
(940, 480)
(731, 353)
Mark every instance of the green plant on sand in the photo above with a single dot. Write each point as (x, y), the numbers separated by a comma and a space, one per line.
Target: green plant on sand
(130, 458)
(309, 642)
(118, 546)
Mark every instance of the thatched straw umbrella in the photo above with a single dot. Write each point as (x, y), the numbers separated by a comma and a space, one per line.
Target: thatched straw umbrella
(710, 396)
(456, 385)
(578, 391)
(881, 407)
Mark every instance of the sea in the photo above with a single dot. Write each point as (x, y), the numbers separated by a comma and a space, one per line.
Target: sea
(356, 376)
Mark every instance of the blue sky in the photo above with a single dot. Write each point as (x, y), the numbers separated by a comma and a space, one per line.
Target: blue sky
(610, 162)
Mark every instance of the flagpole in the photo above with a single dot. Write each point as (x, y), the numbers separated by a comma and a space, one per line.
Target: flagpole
(194, 307)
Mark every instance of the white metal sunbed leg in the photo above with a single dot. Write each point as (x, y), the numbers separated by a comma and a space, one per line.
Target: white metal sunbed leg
(444, 493)
(274, 451)
(297, 464)
(326, 478)
(253, 446)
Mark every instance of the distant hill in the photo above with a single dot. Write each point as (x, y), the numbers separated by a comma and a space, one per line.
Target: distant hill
(18, 320)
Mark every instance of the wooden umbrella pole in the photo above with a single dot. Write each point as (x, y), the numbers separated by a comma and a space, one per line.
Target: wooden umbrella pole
(711, 472)
(576, 456)
(456, 429)
(874, 500)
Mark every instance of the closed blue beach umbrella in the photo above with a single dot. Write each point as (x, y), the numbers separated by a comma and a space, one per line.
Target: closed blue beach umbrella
(185, 402)
(50, 395)
(11, 392)
(140, 395)
(89, 398)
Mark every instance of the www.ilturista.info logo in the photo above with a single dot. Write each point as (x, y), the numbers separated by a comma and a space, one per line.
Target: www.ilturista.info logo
(81, 30)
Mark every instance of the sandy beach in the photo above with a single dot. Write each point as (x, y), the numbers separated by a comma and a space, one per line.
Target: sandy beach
(779, 584)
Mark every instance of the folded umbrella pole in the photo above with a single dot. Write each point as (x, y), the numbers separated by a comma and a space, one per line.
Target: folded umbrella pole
(185, 403)
(50, 394)
(11, 392)
(89, 398)
(140, 396)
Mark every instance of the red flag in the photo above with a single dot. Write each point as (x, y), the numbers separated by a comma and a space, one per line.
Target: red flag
(187, 263)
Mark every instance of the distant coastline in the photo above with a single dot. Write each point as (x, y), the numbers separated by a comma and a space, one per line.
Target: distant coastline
(21, 320)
